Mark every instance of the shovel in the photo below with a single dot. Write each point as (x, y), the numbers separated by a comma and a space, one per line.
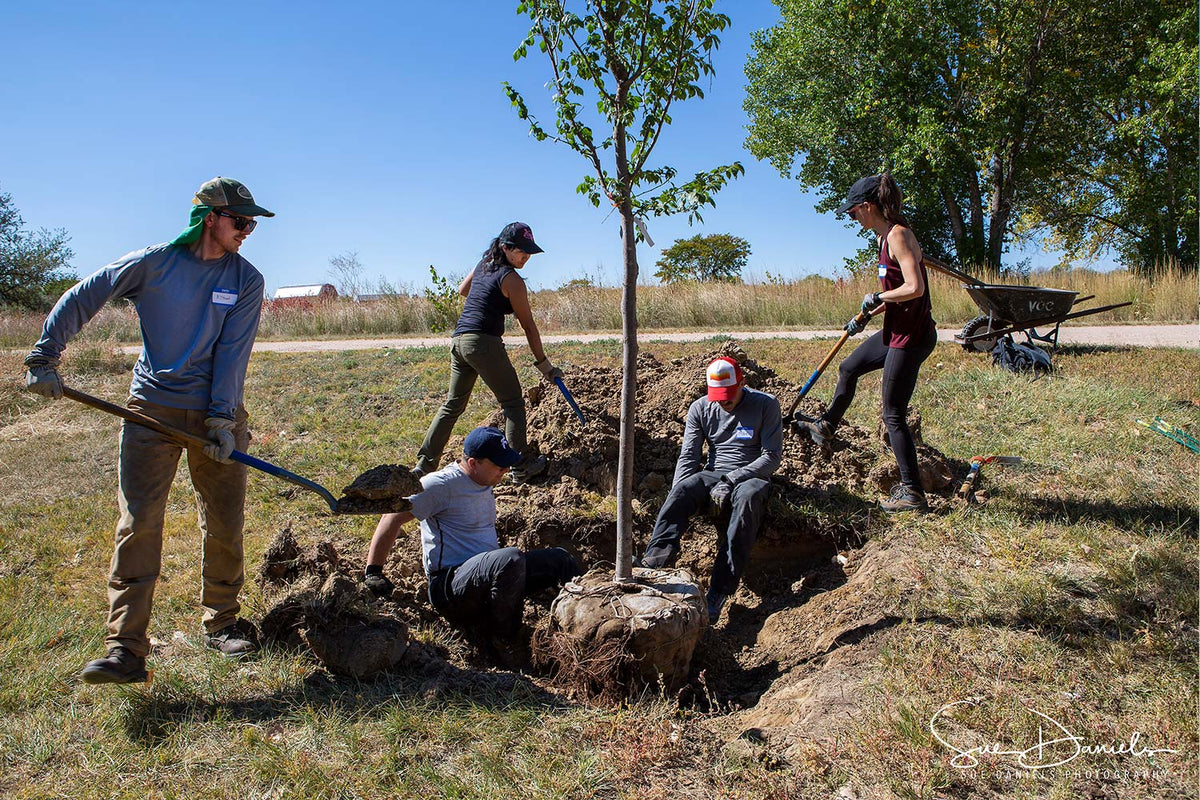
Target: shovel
(346, 505)
(860, 319)
(566, 393)
(967, 490)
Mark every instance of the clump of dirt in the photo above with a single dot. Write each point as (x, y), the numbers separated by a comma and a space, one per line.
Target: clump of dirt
(380, 490)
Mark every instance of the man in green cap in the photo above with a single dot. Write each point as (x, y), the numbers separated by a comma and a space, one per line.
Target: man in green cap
(198, 303)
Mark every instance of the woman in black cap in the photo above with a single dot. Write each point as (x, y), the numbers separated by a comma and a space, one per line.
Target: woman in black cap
(493, 290)
(907, 338)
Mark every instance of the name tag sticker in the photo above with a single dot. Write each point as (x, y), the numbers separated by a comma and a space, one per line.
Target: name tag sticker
(224, 297)
(882, 271)
(743, 432)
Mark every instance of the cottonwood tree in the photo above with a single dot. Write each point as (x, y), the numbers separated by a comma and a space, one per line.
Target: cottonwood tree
(33, 264)
(617, 68)
(715, 258)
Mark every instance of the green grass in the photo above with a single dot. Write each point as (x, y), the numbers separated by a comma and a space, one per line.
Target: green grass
(1072, 592)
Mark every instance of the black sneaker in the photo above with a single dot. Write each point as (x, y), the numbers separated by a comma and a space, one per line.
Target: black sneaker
(820, 431)
(715, 602)
(529, 468)
(119, 666)
(904, 498)
(234, 640)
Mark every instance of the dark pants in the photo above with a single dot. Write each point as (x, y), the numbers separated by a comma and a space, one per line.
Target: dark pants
(747, 503)
(486, 593)
(900, 368)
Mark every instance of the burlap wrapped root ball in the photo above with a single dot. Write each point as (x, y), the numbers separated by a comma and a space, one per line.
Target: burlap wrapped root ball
(616, 639)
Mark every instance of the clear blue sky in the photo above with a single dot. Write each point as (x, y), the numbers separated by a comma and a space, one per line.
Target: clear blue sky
(376, 127)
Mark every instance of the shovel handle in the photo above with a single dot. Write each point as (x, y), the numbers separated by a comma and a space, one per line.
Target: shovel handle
(860, 318)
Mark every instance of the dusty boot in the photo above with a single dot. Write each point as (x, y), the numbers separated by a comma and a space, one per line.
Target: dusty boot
(904, 498)
(820, 431)
(119, 666)
(234, 640)
(528, 468)
(715, 602)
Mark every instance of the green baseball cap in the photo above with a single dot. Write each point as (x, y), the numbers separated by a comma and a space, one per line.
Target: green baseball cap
(229, 194)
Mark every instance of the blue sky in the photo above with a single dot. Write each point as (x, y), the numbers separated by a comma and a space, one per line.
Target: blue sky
(375, 127)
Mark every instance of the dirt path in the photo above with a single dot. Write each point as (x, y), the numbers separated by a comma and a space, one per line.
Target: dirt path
(1137, 335)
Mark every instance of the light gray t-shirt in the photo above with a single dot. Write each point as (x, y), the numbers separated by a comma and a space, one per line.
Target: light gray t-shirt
(198, 321)
(747, 443)
(458, 518)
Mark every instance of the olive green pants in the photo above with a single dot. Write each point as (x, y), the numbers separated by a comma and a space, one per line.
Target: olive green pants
(475, 355)
(148, 463)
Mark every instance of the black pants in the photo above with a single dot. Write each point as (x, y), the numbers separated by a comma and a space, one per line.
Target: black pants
(747, 503)
(486, 593)
(900, 368)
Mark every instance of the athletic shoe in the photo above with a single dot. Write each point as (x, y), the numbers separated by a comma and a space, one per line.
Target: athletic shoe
(234, 640)
(904, 498)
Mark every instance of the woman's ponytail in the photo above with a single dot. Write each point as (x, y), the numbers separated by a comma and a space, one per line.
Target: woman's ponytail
(890, 200)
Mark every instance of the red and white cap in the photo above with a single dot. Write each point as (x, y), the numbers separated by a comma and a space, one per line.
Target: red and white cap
(724, 378)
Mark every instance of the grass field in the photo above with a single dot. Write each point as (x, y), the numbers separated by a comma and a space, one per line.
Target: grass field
(1073, 592)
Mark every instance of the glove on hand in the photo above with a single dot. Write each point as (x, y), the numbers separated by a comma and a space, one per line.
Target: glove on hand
(854, 327)
(548, 370)
(220, 430)
(871, 302)
(718, 496)
(378, 584)
(42, 377)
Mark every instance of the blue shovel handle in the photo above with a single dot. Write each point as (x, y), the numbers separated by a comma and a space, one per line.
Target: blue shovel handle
(562, 387)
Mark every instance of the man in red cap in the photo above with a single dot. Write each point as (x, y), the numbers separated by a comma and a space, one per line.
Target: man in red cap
(744, 432)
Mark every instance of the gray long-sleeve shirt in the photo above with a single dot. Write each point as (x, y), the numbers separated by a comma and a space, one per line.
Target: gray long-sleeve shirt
(747, 443)
(198, 321)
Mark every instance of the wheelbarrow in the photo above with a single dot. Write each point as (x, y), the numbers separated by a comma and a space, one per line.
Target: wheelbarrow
(1011, 309)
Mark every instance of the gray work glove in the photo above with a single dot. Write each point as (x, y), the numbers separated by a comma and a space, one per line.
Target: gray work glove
(220, 431)
(871, 302)
(378, 584)
(547, 369)
(42, 376)
(718, 496)
(854, 327)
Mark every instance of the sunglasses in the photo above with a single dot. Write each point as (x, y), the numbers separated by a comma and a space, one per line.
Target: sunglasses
(246, 224)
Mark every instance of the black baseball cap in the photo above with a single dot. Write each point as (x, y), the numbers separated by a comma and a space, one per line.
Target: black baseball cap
(489, 443)
(229, 194)
(864, 189)
(518, 235)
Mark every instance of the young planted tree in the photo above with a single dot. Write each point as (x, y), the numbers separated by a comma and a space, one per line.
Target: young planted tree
(617, 66)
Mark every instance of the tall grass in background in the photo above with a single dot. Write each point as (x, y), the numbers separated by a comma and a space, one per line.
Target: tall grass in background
(1169, 296)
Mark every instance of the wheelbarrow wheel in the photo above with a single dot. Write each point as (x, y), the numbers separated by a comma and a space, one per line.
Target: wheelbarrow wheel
(977, 326)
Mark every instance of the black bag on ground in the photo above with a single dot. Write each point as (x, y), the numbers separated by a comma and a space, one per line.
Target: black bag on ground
(1016, 357)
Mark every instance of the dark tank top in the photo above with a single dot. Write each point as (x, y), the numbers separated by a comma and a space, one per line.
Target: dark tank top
(486, 305)
(908, 323)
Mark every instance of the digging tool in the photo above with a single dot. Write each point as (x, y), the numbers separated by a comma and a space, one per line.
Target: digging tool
(344, 506)
(1164, 428)
(860, 319)
(967, 490)
(562, 387)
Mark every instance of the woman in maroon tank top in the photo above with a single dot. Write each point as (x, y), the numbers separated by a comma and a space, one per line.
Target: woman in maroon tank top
(907, 338)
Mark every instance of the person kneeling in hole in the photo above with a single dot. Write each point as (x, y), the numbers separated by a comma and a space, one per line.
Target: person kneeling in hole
(474, 583)
(744, 431)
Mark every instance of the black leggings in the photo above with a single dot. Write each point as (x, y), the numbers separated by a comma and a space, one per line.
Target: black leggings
(900, 369)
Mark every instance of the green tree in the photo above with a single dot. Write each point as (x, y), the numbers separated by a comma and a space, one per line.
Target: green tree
(971, 103)
(33, 264)
(712, 258)
(619, 66)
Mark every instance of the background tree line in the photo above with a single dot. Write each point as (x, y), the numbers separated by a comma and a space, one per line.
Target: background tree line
(1070, 119)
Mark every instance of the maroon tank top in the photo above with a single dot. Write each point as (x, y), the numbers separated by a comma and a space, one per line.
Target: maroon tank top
(908, 323)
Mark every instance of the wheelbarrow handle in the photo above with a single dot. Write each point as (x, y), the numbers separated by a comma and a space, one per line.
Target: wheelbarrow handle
(192, 440)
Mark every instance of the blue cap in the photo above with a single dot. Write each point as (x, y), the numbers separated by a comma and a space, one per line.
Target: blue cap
(490, 443)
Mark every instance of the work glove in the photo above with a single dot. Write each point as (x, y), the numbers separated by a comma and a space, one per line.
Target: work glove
(854, 327)
(220, 431)
(547, 369)
(377, 582)
(871, 301)
(42, 376)
(718, 496)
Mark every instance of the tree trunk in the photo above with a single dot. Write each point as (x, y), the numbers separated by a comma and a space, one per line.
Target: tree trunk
(956, 221)
(974, 255)
(624, 559)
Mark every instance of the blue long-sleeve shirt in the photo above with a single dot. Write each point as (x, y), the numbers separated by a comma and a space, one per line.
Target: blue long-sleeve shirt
(744, 443)
(198, 320)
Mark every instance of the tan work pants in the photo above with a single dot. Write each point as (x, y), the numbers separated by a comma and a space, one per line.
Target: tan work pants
(148, 462)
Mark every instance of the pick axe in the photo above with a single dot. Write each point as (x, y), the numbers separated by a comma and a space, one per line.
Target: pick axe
(861, 319)
(967, 490)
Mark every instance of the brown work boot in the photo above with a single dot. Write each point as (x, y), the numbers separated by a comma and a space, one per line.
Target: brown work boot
(820, 431)
(904, 498)
(234, 640)
(529, 467)
(119, 666)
